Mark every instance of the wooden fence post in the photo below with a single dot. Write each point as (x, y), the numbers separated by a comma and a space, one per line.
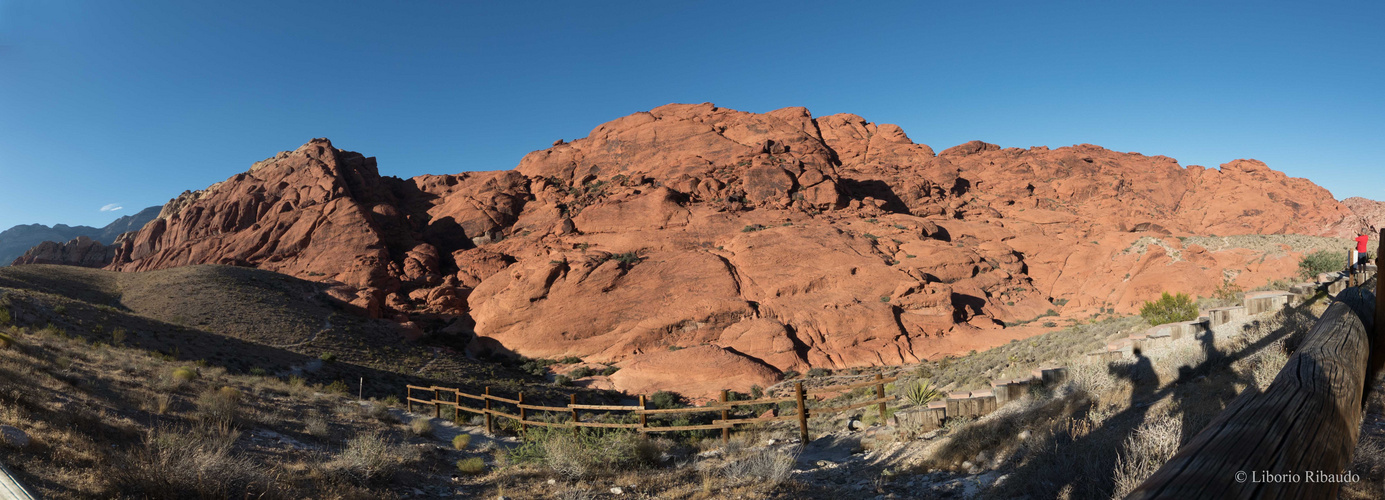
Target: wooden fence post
(644, 419)
(880, 394)
(409, 398)
(490, 429)
(437, 405)
(1377, 339)
(574, 414)
(725, 415)
(802, 413)
(522, 426)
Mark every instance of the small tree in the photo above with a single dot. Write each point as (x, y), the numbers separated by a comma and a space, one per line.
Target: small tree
(1169, 309)
(1321, 261)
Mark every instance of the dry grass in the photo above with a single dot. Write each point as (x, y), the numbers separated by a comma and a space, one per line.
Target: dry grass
(1152, 444)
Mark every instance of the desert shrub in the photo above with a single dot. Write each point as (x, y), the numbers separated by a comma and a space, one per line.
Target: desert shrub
(376, 411)
(1169, 309)
(472, 466)
(461, 441)
(1321, 261)
(5, 317)
(258, 372)
(790, 375)
(764, 466)
(339, 388)
(667, 399)
(921, 393)
(316, 425)
(585, 453)
(570, 360)
(183, 463)
(118, 336)
(818, 372)
(421, 426)
(184, 374)
(61, 310)
(6, 340)
(610, 370)
(1152, 444)
(328, 357)
(391, 400)
(219, 407)
(367, 457)
(562, 380)
(581, 372)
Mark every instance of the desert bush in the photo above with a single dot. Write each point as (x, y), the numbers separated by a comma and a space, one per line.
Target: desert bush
(391, 400)
(472, 466)
(764, 466)
(316, 425)
(818, 372)
(421, 426)
(184, 374)
(5, 317)
(921, 392)
(184, 463)
(258, 372)
(562, 380)
(461, 441)
(373, 410)
(339, 388)
(666, 399)
(1152, 444)
(328, 357)
(1169, 309)
(219, 407)
(367, 457)
(6, 340)
(585, 453)
(118, 336)
(581, 372)
(1321, 261)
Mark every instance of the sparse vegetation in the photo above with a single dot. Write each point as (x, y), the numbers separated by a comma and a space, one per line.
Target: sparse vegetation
(1169, 309)
(666, 400)
(461, 441)
(471, 466)
(1321, 261)
(921, 392)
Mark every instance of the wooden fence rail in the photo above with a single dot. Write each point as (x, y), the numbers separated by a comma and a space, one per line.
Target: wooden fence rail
(1304, 425)
(453, 398)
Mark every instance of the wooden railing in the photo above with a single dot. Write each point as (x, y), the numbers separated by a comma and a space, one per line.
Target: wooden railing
(1295, 439)
(439, 397)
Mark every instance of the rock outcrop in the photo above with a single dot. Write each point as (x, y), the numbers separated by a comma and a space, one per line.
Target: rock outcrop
(17, 240)
(693, 237)
(81, 251)
(1371, 212)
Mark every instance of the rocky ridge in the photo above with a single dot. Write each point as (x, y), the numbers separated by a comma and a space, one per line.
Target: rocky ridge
(769, 242)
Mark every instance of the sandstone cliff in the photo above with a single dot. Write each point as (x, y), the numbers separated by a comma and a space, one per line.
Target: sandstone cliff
(775, 241)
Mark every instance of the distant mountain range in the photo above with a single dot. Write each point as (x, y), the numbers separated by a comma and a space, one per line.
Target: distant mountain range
(19, 239)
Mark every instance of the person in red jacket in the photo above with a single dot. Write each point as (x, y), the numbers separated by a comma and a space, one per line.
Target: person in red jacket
(1358, 257)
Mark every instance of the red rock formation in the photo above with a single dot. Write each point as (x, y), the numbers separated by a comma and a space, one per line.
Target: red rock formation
(773, 241)
(1371, 212)
(82, 251)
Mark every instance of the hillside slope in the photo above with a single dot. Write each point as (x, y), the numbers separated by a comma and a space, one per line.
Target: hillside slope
(782, 240)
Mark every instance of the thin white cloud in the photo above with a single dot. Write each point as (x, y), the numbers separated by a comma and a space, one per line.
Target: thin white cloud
(112, 207)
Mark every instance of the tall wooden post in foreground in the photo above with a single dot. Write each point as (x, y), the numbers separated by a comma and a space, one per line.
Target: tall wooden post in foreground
(522, 426)
(490, 428)
(644, 418)
(573, 400)
(1377, 338)
(725, 415)
(802, 413)
(880, 394)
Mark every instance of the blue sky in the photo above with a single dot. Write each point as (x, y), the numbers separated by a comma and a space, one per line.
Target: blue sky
(127, 104)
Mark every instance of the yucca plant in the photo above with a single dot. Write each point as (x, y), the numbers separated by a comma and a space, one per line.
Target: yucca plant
(922, 392)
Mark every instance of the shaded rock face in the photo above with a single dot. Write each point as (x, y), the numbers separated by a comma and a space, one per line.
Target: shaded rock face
(760, 242)
(81, 251)
(16, 240)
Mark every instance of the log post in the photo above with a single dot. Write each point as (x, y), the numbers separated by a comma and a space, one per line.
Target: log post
(574, 413)
(880, 394)
(437, 404)
(522, 426)
(725, 415)
(490, 429)
(802, 413)
(644, 419)
(409, 398)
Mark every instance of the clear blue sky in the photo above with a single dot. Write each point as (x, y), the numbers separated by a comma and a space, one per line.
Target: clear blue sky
(130, 103)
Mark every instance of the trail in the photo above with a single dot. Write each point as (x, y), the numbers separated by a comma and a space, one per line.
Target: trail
(326, 325)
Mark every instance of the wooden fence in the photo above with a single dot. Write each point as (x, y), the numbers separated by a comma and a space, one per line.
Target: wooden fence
(1303, 426)
(485, 404)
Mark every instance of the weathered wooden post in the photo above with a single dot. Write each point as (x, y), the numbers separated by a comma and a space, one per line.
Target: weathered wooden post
(437, 404)
(880, 394)
(573, 402)
(644, 419)
(725, 416)
(802, 413)
(523, 427)
(490, 429)
(409, 398)
(1377, 336)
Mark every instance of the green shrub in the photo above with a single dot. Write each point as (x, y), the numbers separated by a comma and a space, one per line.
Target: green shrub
(328, 357)
(184, 374)
(610, 370)
(1321, 261)
(5, 317)
(461, 441)
(339, 388)
(791, 374)
(5, 340)
(562, 381)
(1169, 309)
(666, 399)
(570, 360)
(585, 453)
(818, 372)
(421, 426)
(219, 407)
(258, 372)
(118, 336)
(391, 400)
(61, 310)
(471, 466)
(581, 372)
